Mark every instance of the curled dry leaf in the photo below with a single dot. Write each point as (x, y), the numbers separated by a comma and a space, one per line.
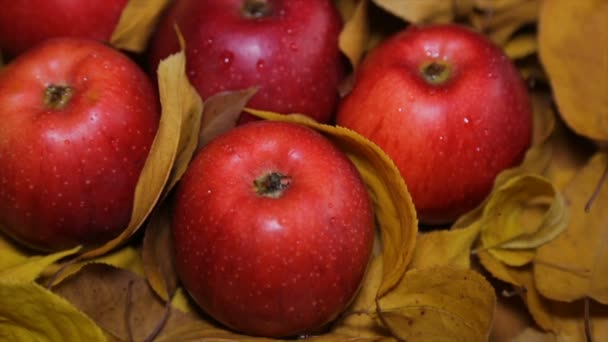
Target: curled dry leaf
(425, 12)
(137, 23)
(157, 254)
(393, 204)
(173, 142)
(29, 269)
(221, 112)
(355, 34)
(522, 214)
(127, 258)
(439, 304)
(575, 265)
(499, 20)
(445, 247)
(120, 302)
(522, 45)
(29, 312)
(572, 47)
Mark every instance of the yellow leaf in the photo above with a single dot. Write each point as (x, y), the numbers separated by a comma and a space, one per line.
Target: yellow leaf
(499, 20)
(127, 258)
(575, 265)
(158, 254)
(445, 247)
(393, 204)
(137, 23)
(573, 47)
(428, 11)
(11, 253)
(355, 34)
(174, 143)
(523, 213)
(28, 312)
(521, 46)
(439, 304)
(29, 269)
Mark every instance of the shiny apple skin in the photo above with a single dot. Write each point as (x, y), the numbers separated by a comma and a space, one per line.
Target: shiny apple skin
(68, 175)
(448, 140)
(24, 24)
(292, 55)
(272, 266)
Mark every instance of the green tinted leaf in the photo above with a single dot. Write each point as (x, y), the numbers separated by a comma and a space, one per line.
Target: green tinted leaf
(28, 312)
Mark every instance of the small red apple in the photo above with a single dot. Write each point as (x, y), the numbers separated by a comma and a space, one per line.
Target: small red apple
(24, 24)
(273, 229)
(78, 119)
(289, 48)
(448, 107)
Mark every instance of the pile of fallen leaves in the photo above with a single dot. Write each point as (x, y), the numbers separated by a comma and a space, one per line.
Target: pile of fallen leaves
(529, 264)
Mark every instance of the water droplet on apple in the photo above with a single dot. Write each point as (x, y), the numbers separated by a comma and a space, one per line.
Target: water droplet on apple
(260, 64)
(289, 31)
(293, 47)
(226, 58)
(442, 137)
(67, 141)
(477, 149)
(208, 42)
(467, 121)
(400, 109)
(491, 75)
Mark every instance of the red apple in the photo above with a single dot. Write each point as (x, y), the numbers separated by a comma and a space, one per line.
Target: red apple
(78, 119)
(448, 107)
(24, 24)
(289, 48)
(273, 229)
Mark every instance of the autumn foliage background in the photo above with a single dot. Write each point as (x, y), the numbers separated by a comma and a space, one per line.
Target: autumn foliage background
(529, 264)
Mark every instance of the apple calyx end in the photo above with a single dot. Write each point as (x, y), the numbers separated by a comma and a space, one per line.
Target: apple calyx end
(436, 72)
(253, 9)
(57, 96)
(272, 184)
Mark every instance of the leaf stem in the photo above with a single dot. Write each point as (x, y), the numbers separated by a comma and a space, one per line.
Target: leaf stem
(597, 190)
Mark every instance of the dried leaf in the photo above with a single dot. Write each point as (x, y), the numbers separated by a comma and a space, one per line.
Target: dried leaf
(521, 46)
(523, 213)
(532, 334)
(157, 254)
(127, 258)
(28, 312)
(575, 265)
(572, 47)
(429, 11)
(30, 269)
(137, 23)
(122, 304)
(221, 113)
(440, 304)
(355, 34)
(393, 205)
(445, 247)
(12, 253)
(181, 106)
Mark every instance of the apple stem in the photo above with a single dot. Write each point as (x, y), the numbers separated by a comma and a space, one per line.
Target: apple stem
(256, 8)
(435, 72)
(272, 184)
(57, 96)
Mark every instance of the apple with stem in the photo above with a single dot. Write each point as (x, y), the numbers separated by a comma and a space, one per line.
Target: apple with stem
(78, 119)
(287, 48)
(24, 24)
(449, 107)
(273, 229)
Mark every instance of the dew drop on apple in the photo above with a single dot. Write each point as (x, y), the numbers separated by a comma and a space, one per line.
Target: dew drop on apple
(467, 121)
(260, 64)
(226, 58)
(293, 47)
